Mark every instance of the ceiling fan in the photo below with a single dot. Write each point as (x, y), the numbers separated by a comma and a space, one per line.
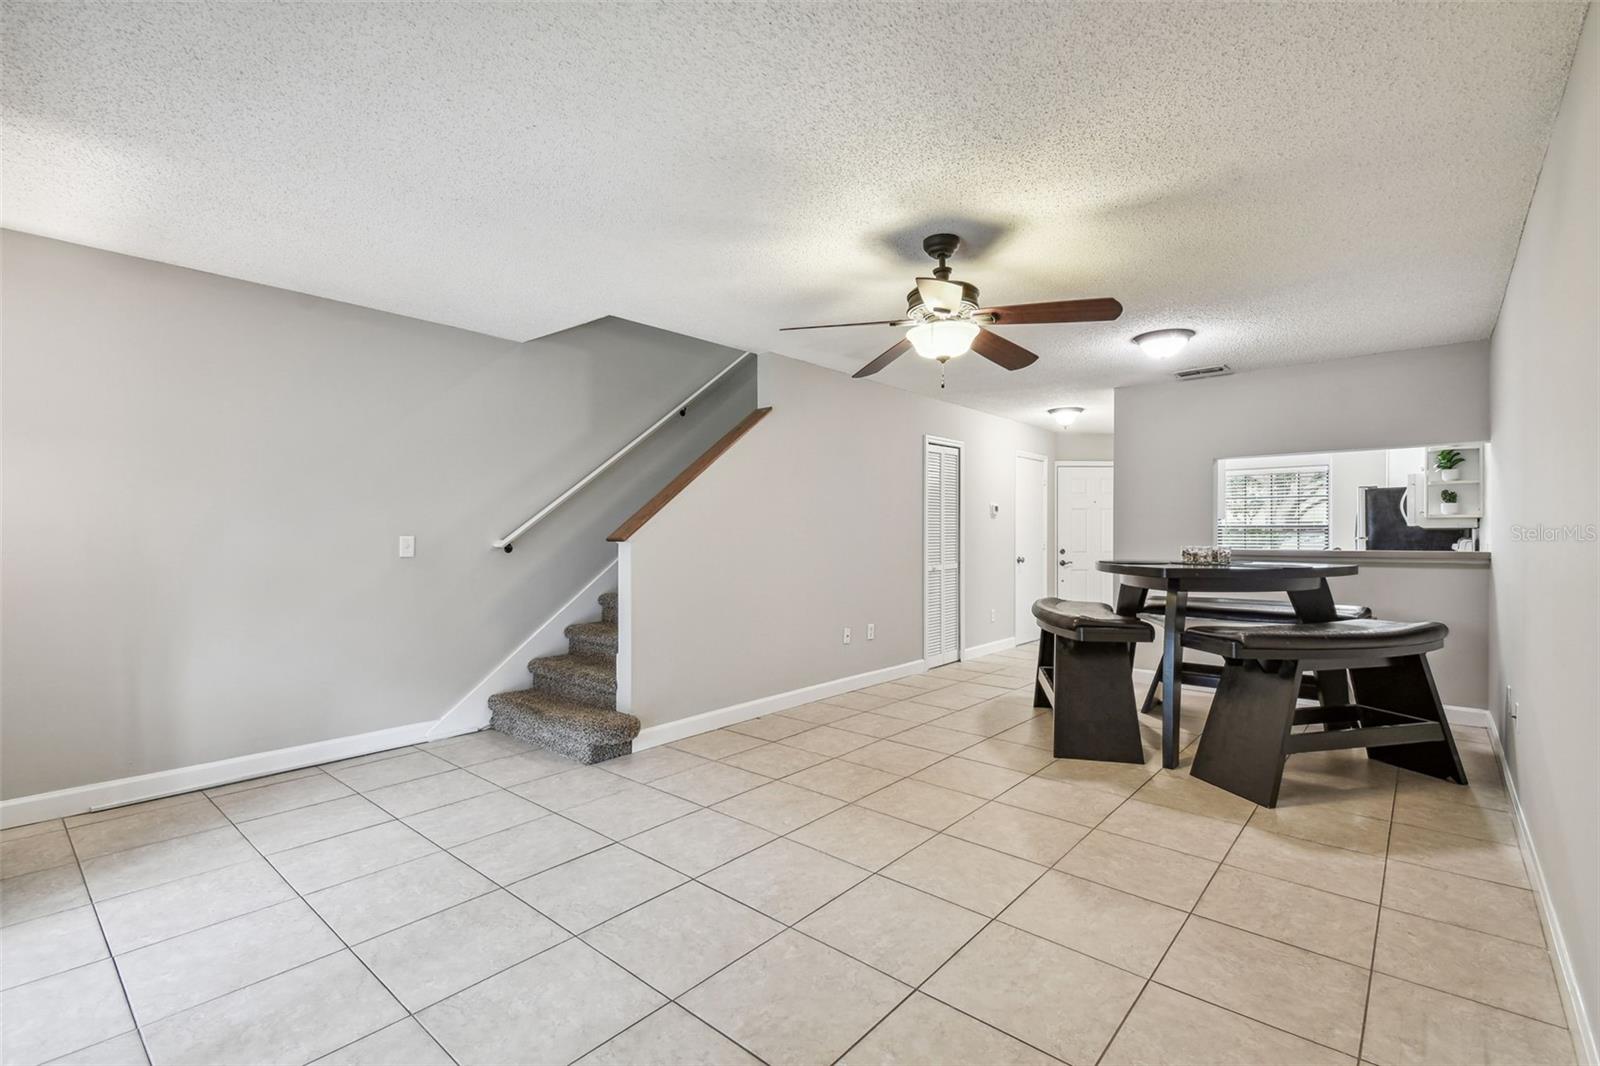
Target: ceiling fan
(946, 320)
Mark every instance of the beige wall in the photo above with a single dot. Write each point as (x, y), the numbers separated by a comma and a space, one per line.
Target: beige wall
(1169, 436)
(1084, 446)
(204, 482)
(742, 586)
(1545, 370)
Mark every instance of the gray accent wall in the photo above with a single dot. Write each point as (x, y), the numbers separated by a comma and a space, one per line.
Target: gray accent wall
(742, 586)
(1169, 436)
(1545, 509)
(205, 480)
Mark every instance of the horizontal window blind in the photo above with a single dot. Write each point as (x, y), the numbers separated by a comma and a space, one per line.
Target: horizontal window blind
(1282, 508)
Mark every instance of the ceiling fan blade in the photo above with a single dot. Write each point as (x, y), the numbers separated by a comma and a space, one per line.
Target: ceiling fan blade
(838, 325)
(1002, 352)
(1101, 310)
(943, 297)
(899, 349)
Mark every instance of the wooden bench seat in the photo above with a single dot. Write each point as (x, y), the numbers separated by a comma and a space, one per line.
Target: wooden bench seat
(1256, 721)
(1086, 674)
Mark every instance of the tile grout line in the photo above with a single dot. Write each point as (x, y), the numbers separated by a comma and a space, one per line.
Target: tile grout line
(868, 874)
(621, 842)
(993, 920)
(116, 967)
(765, 941)
(1377, 927)
(347, 947)
(1188, 914)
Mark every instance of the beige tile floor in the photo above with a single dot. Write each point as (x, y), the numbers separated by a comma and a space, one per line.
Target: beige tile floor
(897, 875)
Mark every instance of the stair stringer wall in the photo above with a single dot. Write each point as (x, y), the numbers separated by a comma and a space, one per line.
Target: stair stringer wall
(471, 711)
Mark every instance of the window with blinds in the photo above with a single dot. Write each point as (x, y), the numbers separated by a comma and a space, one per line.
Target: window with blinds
(1283, 508)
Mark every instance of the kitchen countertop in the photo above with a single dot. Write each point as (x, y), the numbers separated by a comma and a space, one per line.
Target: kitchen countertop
(1375, 558)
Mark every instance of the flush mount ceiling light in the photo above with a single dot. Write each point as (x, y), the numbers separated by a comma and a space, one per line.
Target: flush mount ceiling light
(1163, 343)
(1065, 416)
(943, 339)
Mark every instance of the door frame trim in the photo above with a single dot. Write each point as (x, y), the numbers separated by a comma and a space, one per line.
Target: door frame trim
(961, 541)
(1044, 516)
(1112, 463)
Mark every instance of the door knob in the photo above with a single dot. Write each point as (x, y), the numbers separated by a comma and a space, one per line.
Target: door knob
(1020, 559)
(1066, 562)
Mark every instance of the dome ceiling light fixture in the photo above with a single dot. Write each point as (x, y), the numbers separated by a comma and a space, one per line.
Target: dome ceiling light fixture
(1065, 416)
(1163, 343)
(946, 319)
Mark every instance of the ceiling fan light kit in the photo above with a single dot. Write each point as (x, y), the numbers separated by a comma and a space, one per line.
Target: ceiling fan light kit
(1065, 416)
(1163, 343)
(946, 320)
(942, 339)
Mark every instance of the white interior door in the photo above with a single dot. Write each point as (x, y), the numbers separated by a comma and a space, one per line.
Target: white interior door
(1083, 528)
(1032, 543)
(942, 554)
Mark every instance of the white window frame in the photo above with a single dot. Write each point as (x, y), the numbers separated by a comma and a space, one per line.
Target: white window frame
(1220, 488)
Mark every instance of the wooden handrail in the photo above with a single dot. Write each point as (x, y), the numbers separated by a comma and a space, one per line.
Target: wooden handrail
(690, 472)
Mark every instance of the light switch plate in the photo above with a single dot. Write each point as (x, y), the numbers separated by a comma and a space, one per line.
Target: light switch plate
(408, 547)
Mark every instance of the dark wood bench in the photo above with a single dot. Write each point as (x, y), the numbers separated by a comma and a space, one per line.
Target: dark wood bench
(1232, 609)
(1086, 674)
(1255, 722)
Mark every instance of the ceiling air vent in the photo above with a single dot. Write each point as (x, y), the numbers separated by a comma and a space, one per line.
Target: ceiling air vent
(1220, 370)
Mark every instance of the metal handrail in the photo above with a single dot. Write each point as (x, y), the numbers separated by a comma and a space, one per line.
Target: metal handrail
(505, 543)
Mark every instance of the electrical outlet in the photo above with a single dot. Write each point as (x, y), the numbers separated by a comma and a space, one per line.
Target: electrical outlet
(872, 631)
(847, 634)
(408, 547)
(991, 614)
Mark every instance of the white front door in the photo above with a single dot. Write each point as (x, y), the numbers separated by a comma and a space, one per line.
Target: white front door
(941, 554)
(1083, 530)
(1032, 546)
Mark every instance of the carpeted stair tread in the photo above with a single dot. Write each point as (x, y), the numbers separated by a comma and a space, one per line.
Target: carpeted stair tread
(590, 679)
(592, 638)
(577, 731)
(571, 707)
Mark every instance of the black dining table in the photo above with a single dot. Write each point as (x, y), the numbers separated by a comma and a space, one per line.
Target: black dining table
(1306, 584)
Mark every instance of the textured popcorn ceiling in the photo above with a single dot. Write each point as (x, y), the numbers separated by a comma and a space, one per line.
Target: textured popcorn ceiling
(1294, 181)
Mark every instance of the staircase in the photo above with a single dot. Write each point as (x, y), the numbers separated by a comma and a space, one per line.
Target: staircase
(571, 707)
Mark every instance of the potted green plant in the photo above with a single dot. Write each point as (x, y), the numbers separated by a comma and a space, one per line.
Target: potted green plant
(1447, 501)
(1448, 462)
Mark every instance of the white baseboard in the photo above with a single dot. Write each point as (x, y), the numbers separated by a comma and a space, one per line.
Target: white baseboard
(1566, 972)
(1476, 717)
(471, 712)
(103, 794)
(1480, 718)
(1003, 644)
(666, 732)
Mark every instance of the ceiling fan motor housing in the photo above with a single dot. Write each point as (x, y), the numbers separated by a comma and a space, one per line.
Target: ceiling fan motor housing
(916, 310)
(941, 245)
